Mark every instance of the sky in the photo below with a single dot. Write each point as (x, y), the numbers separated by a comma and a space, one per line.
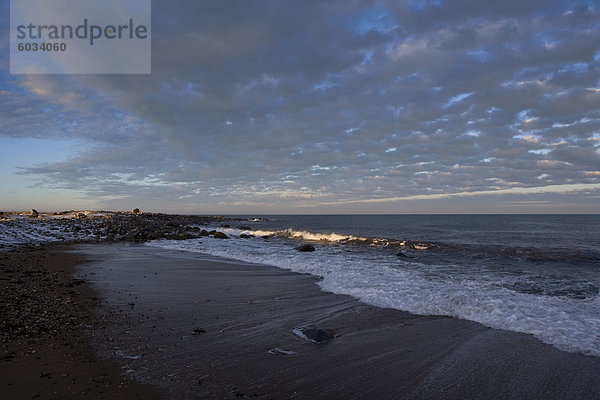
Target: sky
(321, 106)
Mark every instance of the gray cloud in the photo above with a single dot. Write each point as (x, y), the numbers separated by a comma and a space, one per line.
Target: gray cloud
(315, 102)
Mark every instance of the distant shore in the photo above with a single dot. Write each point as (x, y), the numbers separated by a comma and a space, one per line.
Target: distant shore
(35, 227)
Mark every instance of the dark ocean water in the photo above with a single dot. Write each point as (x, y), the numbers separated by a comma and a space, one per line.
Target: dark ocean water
(537, 274)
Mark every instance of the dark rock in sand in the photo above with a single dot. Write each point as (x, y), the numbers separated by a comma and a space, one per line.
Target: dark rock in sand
(34, 213)
(265, 237)
(203, 232)
(135, 211)
(220, 235)
(199, 330)
(315, 335)
(245, 236)
(305, 247)
(81, 216)
(212, 232)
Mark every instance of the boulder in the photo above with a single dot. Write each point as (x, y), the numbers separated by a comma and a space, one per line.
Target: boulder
(245, 236)
(220, 235)
(34, 213)
(135, 211)
(185, 235)
(305, 247)
(315, 335)
(203, 232)
(81, 215)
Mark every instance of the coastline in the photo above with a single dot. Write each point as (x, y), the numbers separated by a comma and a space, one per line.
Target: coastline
(202, 326)
(87, 318)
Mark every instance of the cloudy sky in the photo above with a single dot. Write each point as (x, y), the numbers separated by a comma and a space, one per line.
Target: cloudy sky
(339, 106)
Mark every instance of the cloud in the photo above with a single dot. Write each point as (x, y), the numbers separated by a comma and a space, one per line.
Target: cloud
(387, 99)
(560, 189)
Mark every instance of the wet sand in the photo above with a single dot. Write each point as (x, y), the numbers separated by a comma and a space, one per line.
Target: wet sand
(45, 316)
(203, 327)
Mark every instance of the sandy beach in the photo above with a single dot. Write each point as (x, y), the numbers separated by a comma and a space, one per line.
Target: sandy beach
(196, 326)
(46, 316)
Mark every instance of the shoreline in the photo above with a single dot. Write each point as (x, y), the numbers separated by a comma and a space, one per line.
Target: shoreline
(233, 329)
(53, 320)
(46, 316)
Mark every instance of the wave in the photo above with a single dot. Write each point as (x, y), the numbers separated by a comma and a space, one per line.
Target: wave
(339, 238)
(466, 250)
(558, 309)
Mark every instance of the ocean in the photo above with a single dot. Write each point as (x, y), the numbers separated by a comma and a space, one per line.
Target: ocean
(536, 274)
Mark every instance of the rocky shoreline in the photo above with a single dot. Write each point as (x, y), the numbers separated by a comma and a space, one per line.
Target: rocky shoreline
(30, 228)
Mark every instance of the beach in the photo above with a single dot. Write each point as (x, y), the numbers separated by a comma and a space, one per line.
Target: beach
(195, 326)
(108, 311)
(300, 200)
(46, 315)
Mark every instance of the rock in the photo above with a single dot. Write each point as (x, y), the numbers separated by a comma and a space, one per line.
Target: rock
(245, 236)
(401, 254)
(225, 226)
(34, 213)
(135, 211)
(212, 232)
(203, 232)
(81, 216)
(305, 247)
(199, 330)
(220, 235)
(265, 236)
(315, 335)
(185, 235)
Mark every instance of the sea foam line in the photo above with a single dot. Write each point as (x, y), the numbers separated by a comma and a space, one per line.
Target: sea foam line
(385, 281)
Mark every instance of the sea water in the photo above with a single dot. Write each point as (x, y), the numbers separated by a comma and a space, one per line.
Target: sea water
(537, 274)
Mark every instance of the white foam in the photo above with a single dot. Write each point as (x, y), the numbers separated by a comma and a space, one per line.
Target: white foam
(383, 280)
(302, 235)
